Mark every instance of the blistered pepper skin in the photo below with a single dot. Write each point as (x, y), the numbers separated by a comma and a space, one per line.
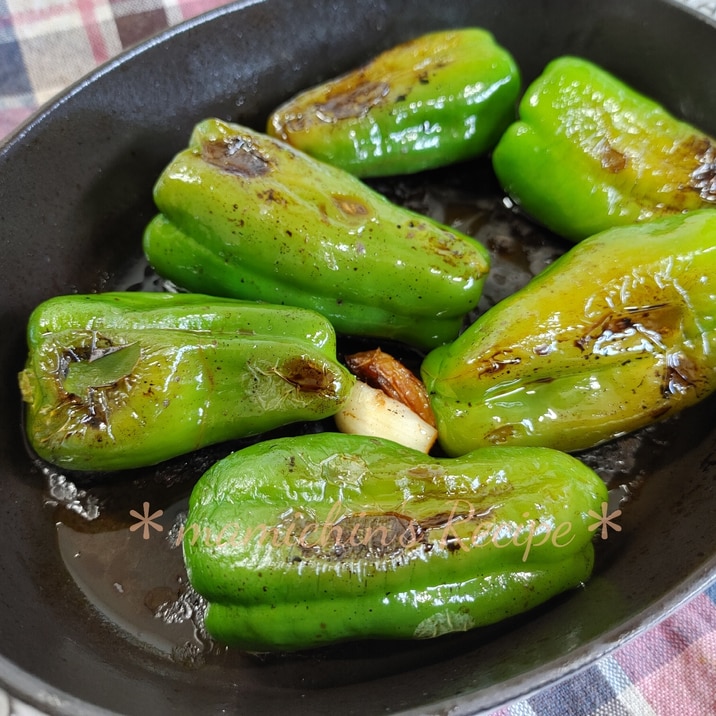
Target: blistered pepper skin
(590, 153)
(616, 334)
(123, 380)
(300, 542)
(246, 216)
(438, 99)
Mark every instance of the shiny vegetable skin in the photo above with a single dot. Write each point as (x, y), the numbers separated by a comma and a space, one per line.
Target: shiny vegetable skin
(245, 215)
(306, 541)
(590, 153)
(440, 98)
(616, 334)
(123, 380)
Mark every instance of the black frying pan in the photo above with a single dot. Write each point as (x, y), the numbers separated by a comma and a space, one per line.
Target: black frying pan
(75, 193)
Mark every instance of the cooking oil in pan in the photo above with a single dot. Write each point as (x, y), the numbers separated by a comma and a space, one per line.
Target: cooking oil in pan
(128, 561)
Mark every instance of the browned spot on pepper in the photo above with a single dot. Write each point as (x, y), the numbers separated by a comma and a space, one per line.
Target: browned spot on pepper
(445, 245)
(96, 346)
(271, 196)
(307, 376)
(660, 412)
(362, 536)
(352, 101)
(502, 434)
(608, 322)
(662, 319)
(610, 158)
(93, 406)
(425, 472)
(236, 155)
(323, 212)
(442, 519)
(350, 206)
(497, 362)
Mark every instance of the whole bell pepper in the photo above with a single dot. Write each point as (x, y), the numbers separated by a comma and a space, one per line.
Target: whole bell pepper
(306, 541)
(590, 153)
(617, 333)
(245, 215)
(123, 380)
(440, 98)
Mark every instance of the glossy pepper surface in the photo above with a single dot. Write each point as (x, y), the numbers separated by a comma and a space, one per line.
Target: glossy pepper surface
(247, 216)
(122, 380)
(299, 542)
(589, 153)
(440, 98)
(617, 333)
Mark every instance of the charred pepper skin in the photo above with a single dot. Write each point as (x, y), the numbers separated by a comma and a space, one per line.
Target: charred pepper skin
(123, 380)
(616, 334)
(590, 153)
(302, 542)
(438, 99)
(247, 216)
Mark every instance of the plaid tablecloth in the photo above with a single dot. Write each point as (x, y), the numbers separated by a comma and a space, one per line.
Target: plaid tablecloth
(45, 45)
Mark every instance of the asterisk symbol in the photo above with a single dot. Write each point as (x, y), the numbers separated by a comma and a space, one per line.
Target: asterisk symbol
(605, 520)
(146, 520)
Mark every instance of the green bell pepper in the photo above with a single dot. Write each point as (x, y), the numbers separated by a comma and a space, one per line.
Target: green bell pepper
(590, 153)
(123, 380)
(440, 98)
(300, 542)
(617, 333)
(245, 215)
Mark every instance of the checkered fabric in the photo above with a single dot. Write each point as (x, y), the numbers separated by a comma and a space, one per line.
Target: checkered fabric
(669, 670)
(45, 45)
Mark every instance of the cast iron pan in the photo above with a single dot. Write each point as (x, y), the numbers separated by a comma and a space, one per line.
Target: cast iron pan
(75, 193)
